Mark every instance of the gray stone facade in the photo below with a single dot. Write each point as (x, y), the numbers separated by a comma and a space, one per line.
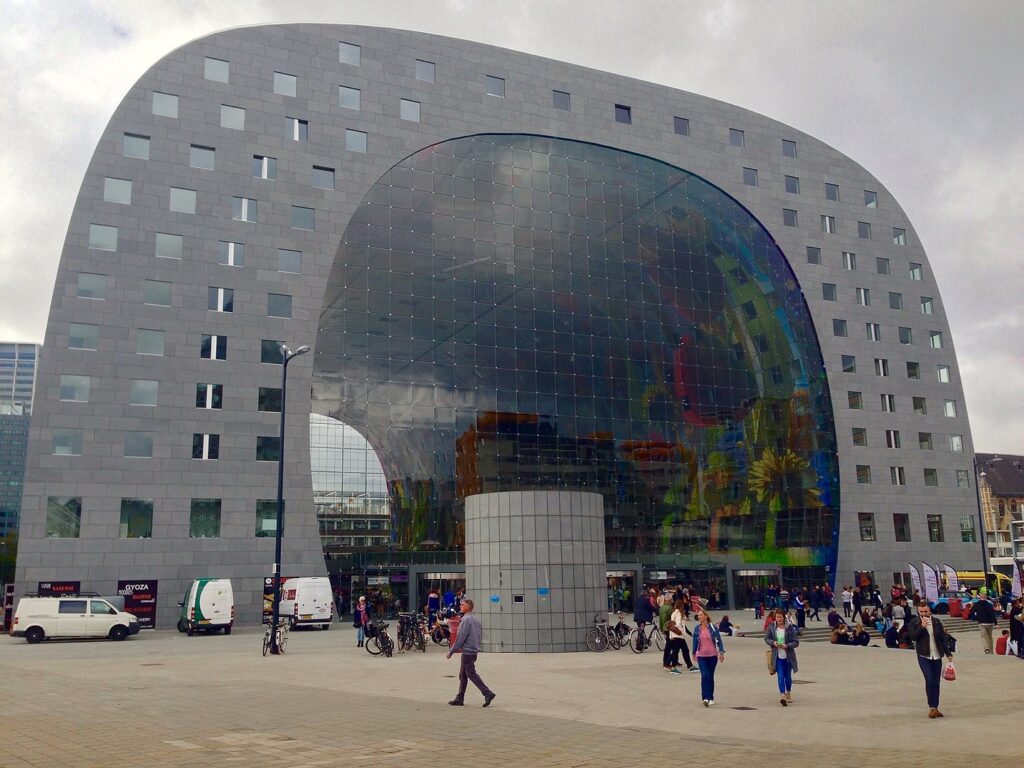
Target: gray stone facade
(455, 103)
(535, 568)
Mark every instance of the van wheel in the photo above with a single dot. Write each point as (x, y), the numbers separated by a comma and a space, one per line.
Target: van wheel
(34, 635)
(119, 632)
(182, 625)
(326, 627)
(227, 630)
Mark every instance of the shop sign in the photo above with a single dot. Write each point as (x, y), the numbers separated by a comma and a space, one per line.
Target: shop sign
(140, 600)
(59, 588)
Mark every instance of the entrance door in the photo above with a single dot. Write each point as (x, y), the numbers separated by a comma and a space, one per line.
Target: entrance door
(744, 582)
(621, 591)
(438, 590)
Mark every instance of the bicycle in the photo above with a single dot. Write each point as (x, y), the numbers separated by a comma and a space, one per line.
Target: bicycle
(282, 637)
(411, 633)
(602, 636)
(379, 642)
(642, 638)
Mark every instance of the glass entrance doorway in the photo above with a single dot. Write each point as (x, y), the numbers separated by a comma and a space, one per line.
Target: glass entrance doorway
(621, 591)
(436, 590)
(746, 581)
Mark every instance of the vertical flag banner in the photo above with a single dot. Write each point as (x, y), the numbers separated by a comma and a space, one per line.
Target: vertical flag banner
(931, 582)
(1017, 586)
(915, 578)
(951, 577)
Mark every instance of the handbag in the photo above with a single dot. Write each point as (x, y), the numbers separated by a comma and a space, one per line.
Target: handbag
(950, 673)
(673, 628)
(768, 659)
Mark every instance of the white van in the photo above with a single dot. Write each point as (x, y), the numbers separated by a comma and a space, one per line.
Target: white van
(307, 601)
(38, 618)
(208, 606)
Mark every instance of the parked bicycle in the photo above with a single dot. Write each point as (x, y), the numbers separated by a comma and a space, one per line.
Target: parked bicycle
(411, 633)
(646, 635)
(602, 636)
(441, 633)
(378, 640)
(282, 637)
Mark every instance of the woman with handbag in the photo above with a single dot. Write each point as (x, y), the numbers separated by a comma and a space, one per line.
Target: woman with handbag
(709, 651)
(676, 632)
(360, 618)
(782, 640)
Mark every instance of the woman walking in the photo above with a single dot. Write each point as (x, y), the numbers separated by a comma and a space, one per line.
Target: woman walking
(783, 638)
(708, 650)
(930, 640)
(360, 618)
(676, 634)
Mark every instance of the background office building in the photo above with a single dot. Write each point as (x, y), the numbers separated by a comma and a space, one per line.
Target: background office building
(516, 275)
(18, 365)
(1001, 487)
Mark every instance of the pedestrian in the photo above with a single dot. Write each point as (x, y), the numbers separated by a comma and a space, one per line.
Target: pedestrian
(709, 651)
(360, 618)
(757, 601)
(468, 640)
(784, 599)
(984, 613)
(783, 639)
(930, 641)
(1017, 627)
(676, 635)
(817, 602)
(801, 611)
(856, 601)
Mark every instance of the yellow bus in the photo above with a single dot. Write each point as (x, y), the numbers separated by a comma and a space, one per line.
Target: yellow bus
(996, 582)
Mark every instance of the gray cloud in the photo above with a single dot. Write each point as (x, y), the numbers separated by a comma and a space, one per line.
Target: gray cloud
(926, 95)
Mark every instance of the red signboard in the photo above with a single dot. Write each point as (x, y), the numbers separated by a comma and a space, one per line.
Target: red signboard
(59, 588)
(140, 600)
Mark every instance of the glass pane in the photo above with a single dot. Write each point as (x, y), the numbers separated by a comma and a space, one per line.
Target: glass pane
(285, 85)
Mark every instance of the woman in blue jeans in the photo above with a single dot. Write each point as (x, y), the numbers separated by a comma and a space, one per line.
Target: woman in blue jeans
(783, 639)
(708, 650)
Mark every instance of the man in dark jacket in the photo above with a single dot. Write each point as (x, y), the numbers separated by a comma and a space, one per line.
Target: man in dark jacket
(984, 613)
(932, 644)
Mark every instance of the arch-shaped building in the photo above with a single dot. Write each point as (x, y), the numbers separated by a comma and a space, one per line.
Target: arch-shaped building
(516, 275)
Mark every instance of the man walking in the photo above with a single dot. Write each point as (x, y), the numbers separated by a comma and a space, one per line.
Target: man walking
(470, 635)
(930, 641)
(985, 614)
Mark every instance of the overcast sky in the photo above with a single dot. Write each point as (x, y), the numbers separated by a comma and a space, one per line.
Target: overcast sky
(927, 96)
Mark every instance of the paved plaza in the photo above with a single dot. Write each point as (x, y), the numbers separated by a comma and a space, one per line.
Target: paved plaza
(162, 699)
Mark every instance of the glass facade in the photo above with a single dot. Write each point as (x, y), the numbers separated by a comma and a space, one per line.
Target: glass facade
(511, 312)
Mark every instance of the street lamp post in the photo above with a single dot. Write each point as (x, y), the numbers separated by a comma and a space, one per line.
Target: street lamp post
(275, 618)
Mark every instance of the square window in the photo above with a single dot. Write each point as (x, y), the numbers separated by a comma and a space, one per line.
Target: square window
(268, 448)
(855, 401)
(850, 261)
(426, 71)
(793, 185)
(899, 236)
(860, 436)
(924, 441)
(866, 521)
(942, 372)
(495, 86)
(873, 331)
(881, 265)
(355, 141)
(136, 518)
(167, 246)
(264, 167)
(967, 532)
(914, 271)
(138, 445)
(117, 191)
(349, 53)
(901, 524)
(232, 117)
(302, 218)
(289, 261)
(296, 129)
(201, 157)
(165, 104)
(789, 217)
(828, 291)
(832, 192)
(205, 447)
(279, 305)
(74, 389)
(920, 405)
(560, 100)
(204, 519)
(927, 305)
(623, 114)
(870, 199)
(913, 370)
(83, 336)
(67, 442)
(881, 366)
(864, 474)
(895, 300)
(956, 443)
(157, 292)
(813, 255)
(269, 399)
(750, 177)
(209, 396)
(143, 392)
(897, 476)
(681, 125)
(849, 364)
(892, 438)
(788, 148)
(322, 177)
(102, 237)
(243, 209)
(349, 98)
(838, 327)
(270, 352)
(63, 517)
(906, 335)
(149, 342)
(216, 70)
(220, 299)
(182, 200)
(230, 254)
(888, 403)
(266, 517)
(134, 145)
(949, 408)
(935, 339)
(863, 230)
(91, 286)
(828, 224)
(736, 137)
(931, 477)
(212, 347)
(285, 85)
(962, 479)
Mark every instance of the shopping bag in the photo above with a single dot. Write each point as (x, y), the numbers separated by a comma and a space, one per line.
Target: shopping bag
(950, 673)
(768, 659)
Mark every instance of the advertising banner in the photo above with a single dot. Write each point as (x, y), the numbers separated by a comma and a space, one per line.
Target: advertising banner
(951, 578)
(1017, 587)
(268, 595)
(8, 607)
(140, 600)
(931, 582)
(59, 588)
(915, 578)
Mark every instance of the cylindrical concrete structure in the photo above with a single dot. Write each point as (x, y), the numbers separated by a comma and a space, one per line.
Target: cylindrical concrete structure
(535, 568)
